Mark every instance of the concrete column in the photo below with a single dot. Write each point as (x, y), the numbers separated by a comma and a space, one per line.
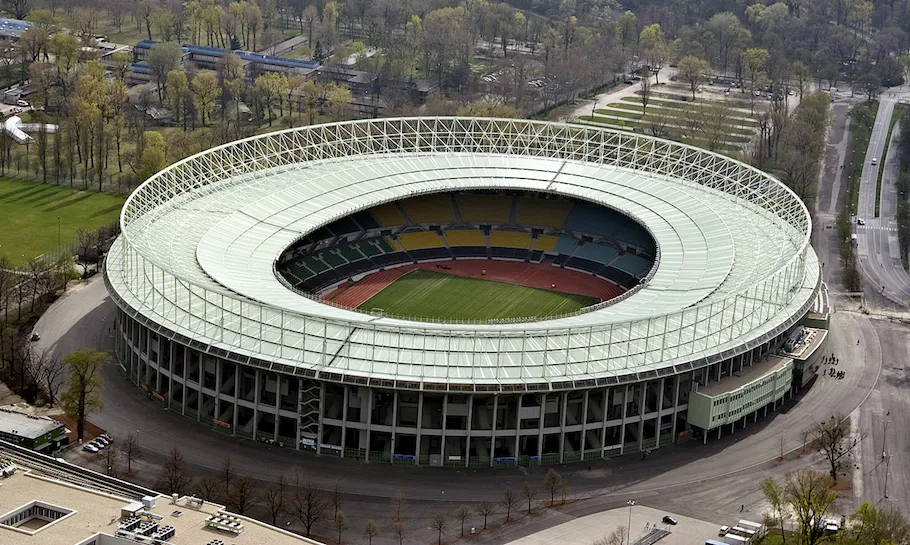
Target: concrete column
(540, 421)
(419, 427)
(369, 419)
(296, 411)
(562, 425)
(442, 448)
(584, 424)
(622, 426)
(467, 442)
(344, 417)
(603, 424)
(493, 435)
(518, 428)
(660, 406)
(394, 423)
(676, 403)
(642, 408)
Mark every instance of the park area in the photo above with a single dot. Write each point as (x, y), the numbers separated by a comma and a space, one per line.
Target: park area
(30, 213)
(441, 296)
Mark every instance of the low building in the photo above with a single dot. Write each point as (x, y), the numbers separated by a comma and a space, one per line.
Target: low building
(11, 29)
(48, 502)
(743, 393)
(38, 433)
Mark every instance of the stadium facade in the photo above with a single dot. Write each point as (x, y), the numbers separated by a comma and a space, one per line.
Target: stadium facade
(722, 302)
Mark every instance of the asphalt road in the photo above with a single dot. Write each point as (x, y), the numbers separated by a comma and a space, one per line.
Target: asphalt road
(877, 248)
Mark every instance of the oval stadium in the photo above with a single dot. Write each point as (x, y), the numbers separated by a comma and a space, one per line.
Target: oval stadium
(466, 291)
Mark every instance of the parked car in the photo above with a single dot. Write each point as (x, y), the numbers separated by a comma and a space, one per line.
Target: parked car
(89, 447)
(22, 104)
(669, 520)
(102, 440)
(860, 221)
(98, 444)
(35, 337)
(723, 530)
(107, 437)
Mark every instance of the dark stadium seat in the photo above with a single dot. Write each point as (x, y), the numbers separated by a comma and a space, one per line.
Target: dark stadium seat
(365, 220)
(593, 220)
(469, 251)
(430, 253)
(350, 252)
(584, 265)
(331, 258)
(509, 253)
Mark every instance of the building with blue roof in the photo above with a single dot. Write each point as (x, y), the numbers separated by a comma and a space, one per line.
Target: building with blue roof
(254, 63)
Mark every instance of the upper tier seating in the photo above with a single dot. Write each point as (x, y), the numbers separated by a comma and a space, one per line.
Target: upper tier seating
(417, 241)
(465, 237)
(542, 212)
(636, 235)
(435, 209)
(593, 220)
(387, 215)
(484, 208)
(510, 239)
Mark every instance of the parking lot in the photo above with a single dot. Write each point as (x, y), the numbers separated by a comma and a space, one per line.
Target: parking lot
(586, 530)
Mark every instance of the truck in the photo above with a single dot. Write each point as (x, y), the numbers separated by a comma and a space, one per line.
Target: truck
(733, 539)
(758, 528)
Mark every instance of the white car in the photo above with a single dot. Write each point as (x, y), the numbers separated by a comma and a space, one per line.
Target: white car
(860, 221)
(98, 444)
(89, 447)
(22, 104)
(723, 530)
(875, 160)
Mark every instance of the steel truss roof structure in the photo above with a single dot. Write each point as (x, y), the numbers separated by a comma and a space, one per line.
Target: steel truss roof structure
(200, 239)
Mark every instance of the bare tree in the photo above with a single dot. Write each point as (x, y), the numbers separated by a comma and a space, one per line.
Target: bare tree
(645, 89)
(174, 477)
(307, 504)
(275, 499)
(486, 509)
(509, 499)
(616, 537)
(227, 472)
(463, 513)
(528, 491)
(398, 530)
(340, 524)
(110, 461)
(440, 523)
(337, 499)
(242, 494)
(130, 449)
(552, 482)
(399, 500)
(210, 488)
(370, 530)
(833, 438)
(51, 371)
(809, 495)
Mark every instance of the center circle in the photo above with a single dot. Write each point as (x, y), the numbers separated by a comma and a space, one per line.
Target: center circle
(473, 255)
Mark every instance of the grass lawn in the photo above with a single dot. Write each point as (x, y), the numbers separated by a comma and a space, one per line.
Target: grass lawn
(428, 294)
(30, 211)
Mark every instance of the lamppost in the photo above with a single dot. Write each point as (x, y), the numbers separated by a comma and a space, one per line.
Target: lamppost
(58, 231)
(885, 435)
(887, 472)
(630, 503)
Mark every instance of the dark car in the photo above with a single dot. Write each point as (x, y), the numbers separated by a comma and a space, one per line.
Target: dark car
(669, 520)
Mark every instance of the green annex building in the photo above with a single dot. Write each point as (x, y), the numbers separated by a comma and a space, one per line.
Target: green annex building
(758, 387)
(35, 432)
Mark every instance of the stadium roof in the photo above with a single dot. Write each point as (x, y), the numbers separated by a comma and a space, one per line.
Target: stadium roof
(734, 265)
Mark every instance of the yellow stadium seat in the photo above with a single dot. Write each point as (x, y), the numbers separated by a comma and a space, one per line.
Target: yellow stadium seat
(393, 243)
(546, 243)
(465, 238)
(507, 239)
(544, 212)
(417, 241)
(387, 215)
(429, 209)
(484, 208)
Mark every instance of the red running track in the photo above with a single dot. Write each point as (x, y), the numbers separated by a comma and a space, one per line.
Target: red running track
(535, 275)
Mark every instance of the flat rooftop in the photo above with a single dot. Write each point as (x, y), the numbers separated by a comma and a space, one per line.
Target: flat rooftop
(749, 374)
(813, 339)
(25, 425)
(588, 529)
(97, 512)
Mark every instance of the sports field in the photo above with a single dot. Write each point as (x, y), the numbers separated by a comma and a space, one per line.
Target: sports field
(29, 213)
(428, 294)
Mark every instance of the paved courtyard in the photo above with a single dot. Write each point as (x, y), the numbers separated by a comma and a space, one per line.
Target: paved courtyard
(586, 530)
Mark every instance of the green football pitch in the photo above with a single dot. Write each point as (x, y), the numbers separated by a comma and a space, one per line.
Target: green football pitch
(440, 296)
(29, 213)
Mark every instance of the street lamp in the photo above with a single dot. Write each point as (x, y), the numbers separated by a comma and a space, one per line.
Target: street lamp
(630, 503)
(885, 425)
